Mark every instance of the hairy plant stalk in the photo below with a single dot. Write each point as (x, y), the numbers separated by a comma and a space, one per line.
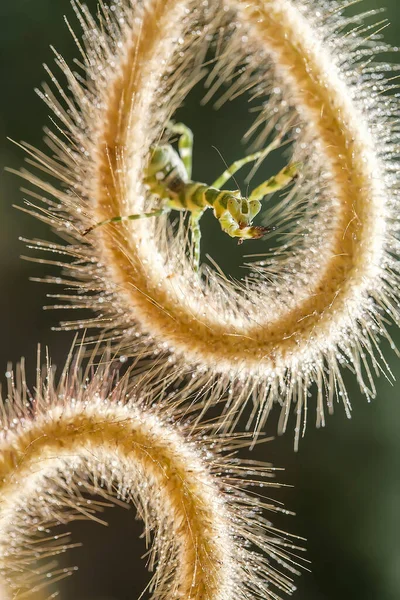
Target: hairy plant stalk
(100, 436)
(316, 302)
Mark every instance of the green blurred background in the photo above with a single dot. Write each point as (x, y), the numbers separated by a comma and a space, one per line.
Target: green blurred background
(346, 478)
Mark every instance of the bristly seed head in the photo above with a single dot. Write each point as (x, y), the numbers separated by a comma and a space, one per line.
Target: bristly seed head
(103, 435)
(307, 309)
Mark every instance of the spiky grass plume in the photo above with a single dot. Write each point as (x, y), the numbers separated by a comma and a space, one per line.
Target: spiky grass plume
(96, 433)
(320, 300)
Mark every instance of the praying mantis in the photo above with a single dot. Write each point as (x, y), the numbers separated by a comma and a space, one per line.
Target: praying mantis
(168, 175)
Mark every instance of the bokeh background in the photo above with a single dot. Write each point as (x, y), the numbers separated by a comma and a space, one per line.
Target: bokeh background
(346, 477)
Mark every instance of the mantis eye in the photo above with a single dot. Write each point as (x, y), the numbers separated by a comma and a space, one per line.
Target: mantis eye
(254, 208)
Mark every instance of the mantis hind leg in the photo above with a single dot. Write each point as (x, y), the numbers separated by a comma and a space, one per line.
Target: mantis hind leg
(185, 144)
(153, 213)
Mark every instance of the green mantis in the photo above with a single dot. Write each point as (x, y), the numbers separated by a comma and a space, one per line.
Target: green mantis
(168, 175)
